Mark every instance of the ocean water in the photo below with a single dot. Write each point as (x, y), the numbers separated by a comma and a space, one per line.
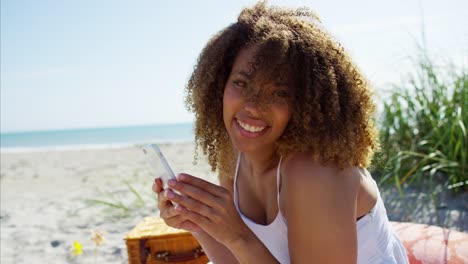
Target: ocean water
(97, 137)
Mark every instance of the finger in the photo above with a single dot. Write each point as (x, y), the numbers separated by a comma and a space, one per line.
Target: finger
(190, 204)
(166, 208)
(202, 184)
(174, 221)
(194, 217)
(181, 222)
(158, 184)
(190, 226)
(194, 193)
(163, 201)
(168, 212)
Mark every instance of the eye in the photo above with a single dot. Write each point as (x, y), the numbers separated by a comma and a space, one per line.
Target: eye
(240, 83)
(281, 93)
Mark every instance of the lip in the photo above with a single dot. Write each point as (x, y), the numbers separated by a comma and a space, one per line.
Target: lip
(252, 122)
(249, 134)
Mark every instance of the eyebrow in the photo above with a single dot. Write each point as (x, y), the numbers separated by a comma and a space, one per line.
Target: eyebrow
(245, 74)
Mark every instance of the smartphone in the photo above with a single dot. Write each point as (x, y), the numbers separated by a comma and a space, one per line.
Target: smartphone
(158, 163)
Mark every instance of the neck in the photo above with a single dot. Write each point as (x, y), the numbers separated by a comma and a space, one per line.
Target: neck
(259, 163)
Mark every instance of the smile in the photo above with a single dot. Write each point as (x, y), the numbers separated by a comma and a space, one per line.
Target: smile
(250, 128)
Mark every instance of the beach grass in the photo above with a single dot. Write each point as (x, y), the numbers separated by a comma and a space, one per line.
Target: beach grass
(126, 201)
(423, 129)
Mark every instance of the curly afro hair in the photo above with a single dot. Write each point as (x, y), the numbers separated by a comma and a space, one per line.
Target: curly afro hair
(332, 104)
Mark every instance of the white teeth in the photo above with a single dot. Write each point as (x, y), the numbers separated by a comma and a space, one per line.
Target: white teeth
(249, 127)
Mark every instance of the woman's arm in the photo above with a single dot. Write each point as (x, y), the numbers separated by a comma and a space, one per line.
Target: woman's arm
(216, 252)
(321, 212)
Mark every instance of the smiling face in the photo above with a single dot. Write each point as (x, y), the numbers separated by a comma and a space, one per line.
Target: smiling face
(255, 112)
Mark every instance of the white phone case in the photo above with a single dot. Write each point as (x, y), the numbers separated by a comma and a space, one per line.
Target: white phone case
(158, 163)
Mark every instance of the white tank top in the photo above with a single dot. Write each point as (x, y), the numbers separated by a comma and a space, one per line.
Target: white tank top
(377, 241)
(275, 235)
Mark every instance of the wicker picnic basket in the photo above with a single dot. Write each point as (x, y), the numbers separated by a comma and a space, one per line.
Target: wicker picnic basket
(153, 242)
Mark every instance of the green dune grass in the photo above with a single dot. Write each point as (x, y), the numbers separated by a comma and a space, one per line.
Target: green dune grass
(423, 129)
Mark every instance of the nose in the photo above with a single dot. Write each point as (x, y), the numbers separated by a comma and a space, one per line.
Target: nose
(253, 106)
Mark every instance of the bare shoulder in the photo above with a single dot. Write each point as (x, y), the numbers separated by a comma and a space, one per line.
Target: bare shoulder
(323, 186)
(304, 170)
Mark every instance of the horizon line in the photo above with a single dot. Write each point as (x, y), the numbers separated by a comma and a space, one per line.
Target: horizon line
(92, 128)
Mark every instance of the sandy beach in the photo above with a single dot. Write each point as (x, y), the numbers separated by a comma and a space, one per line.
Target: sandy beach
(49, 199)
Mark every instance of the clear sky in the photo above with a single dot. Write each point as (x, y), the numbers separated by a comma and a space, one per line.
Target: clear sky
(87, 63)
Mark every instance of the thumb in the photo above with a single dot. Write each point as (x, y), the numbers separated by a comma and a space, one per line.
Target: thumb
(158, 183)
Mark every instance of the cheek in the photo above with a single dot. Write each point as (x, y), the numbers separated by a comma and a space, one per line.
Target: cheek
(283, 114)
(226, 102)
(229, 102)
(225, 109)
(231, 99)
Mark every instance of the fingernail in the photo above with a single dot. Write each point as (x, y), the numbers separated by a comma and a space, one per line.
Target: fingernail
(172, 183)
(169, 194)
(178, 208)
(181, 177)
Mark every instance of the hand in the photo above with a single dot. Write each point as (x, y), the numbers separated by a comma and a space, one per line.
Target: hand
(167, 212)
(209, 206)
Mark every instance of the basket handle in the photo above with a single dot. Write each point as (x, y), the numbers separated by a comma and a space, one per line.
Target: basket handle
(166, 256)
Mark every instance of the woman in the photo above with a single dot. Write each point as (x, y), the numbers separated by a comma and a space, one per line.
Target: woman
(285, 118)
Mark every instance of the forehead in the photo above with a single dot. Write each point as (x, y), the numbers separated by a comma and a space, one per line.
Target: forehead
(246, 63)
(245, 60)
